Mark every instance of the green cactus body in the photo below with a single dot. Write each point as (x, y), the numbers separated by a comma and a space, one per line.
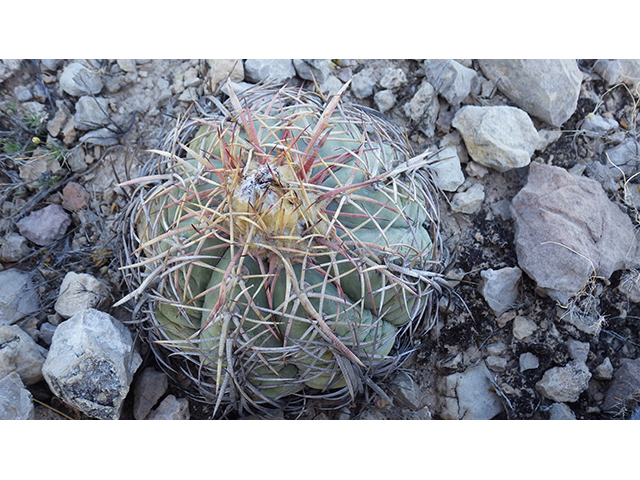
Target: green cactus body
(280, 243)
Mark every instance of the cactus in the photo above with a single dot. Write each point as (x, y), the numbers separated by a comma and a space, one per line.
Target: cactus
(283, 248)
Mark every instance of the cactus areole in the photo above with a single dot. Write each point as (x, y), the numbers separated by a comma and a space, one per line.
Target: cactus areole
(282, 247)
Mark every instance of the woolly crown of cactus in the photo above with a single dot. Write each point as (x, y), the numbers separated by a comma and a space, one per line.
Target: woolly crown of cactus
(282, 249)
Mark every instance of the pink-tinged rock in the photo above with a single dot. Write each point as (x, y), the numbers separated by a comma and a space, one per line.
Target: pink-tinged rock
(568, 230)
(75, 197)
(45, 226)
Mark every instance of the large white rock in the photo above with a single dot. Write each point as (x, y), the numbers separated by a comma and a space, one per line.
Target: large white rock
(546, 89)
(498, 137)
(91, 363)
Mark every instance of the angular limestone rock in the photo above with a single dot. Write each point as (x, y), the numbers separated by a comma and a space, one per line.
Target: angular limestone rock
(91, 363)
(78, 292)
(565, 384)
(19, 353)
(45, 226)
(18, 296)
(500, 288)
(547, 89)
(16, 402)
(568, 230)
(499, 137)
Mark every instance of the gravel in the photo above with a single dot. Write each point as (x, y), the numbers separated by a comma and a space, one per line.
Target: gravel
(550, 141)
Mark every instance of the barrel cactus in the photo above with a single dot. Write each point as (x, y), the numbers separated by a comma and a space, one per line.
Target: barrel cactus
(282, 249)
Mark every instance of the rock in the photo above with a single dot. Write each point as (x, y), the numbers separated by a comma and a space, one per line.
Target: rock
(476, 170)
(19, 353)
(103, 137)
(313, 69)
(567, 230)
(595, 125)
(18, 296)
(331, 85)
(451, 79)
(189, 95)
(45, 226)
(470, 395)
(237, 88)
(78, 292)
(393, 78)
(91, 363)
(547, 89)
(622, 394)
(22, 93)
(528, 361)
(14, 248)
(561, 411)
(498, 137)
(578, 350)
(149, 388)
(51, 64)
(46, 332)
(630, 285)
(523, 327)
(446, 169)
(547, 137)
(385, 100)
(91, 113)
(619, 71)
(623, 160)
(565, 384)
(127, 65)
(407, 391)
(16, 402)
(604, 371)
(191, 78)
(171, 408)
(222, 70)
(277, 70)
(78, 80)
(423, 108)
(74, 197)
(8, 67)
(363, 83)
(496, 364)
(55, 125)
(500, 288)
(468, 201)
(75, 161)
(40, 163)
